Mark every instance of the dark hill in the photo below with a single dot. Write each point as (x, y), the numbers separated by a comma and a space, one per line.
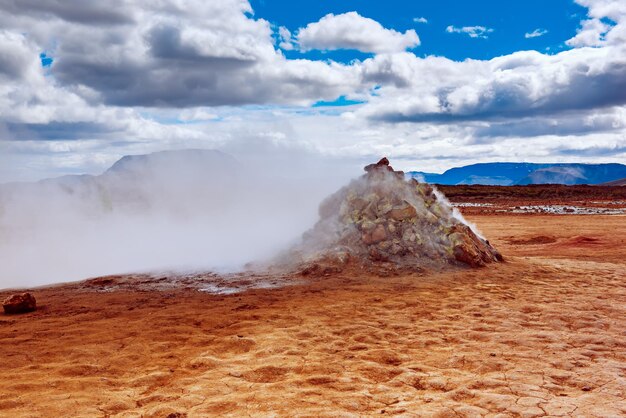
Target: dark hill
(507, 174)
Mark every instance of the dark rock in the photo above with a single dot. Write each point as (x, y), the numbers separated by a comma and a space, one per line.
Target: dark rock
(19, 303)
(382, 164)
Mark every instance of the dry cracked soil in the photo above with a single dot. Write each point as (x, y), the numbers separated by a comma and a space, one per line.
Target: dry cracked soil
(542, 335)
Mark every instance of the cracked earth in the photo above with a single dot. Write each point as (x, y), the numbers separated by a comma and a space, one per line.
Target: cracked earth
(542, 335)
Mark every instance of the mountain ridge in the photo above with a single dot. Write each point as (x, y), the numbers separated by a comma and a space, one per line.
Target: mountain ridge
(618, 182)
(510, 173)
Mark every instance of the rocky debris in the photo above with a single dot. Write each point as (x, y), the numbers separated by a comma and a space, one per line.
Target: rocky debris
(19, 303)
(381, 218)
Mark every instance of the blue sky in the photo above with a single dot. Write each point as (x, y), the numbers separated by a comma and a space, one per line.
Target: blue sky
(85, 83)
(510, 21)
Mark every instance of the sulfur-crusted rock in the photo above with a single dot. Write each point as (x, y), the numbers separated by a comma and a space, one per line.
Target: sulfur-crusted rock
(383, 218)
(402, 213)
(19, 303)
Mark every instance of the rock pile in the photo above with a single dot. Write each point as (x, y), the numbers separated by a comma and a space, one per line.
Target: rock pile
(383, 218)
(19, 303)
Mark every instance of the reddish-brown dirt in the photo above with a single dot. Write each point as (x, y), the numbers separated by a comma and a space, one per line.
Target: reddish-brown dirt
(545, 192)
(540, 335)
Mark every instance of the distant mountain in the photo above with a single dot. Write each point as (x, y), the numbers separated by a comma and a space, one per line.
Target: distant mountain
(187, 161)
(620, 182)
(507, 174)
(163, 179)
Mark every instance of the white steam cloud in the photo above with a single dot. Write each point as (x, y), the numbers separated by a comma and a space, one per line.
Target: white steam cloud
(182, 210)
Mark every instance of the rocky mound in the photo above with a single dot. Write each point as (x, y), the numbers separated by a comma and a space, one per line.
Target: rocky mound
(381, 218)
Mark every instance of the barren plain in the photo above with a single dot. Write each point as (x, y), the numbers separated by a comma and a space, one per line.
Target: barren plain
(543, 334)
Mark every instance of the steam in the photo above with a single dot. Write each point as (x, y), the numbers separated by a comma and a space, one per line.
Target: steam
(456, 213)
(184, 210)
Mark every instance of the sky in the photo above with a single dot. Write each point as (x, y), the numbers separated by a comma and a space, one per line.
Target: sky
(430, 84)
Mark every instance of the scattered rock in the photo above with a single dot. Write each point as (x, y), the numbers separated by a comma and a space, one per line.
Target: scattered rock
(19, 303)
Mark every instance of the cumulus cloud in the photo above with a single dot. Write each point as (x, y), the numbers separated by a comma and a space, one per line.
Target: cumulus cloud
(525, 84)
(571, 124)
(88, 13)
(606, 24)
(518, 85)
(420, 20)
(177, 74)
(592, 33)
(353, 31)
(535, 34)
(17, 61)
(173, 54)
(471, 31)
(285, 40)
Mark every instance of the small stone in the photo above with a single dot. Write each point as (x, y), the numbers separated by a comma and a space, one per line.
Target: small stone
(377, 235)
(403, 213)
(586, 388)
(368, 225)
(396, 249)
(384, 208)
(19, 303)
(408, 236)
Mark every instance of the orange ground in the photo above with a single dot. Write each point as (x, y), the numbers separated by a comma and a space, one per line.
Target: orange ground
(541, 335)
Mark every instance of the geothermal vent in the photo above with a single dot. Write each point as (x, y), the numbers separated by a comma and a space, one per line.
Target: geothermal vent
(383, 219)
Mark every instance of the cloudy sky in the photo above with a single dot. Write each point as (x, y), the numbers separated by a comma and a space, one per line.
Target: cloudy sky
(431, 84)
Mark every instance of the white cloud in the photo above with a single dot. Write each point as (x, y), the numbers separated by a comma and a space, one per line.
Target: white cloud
(597, 30)
(535, 34)
(420, 20)
(471, 31)
(591, 33)
(160, 64)
(353, 31)
(522, 84)
(285, 41)
(197, 115)
(174, 54)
